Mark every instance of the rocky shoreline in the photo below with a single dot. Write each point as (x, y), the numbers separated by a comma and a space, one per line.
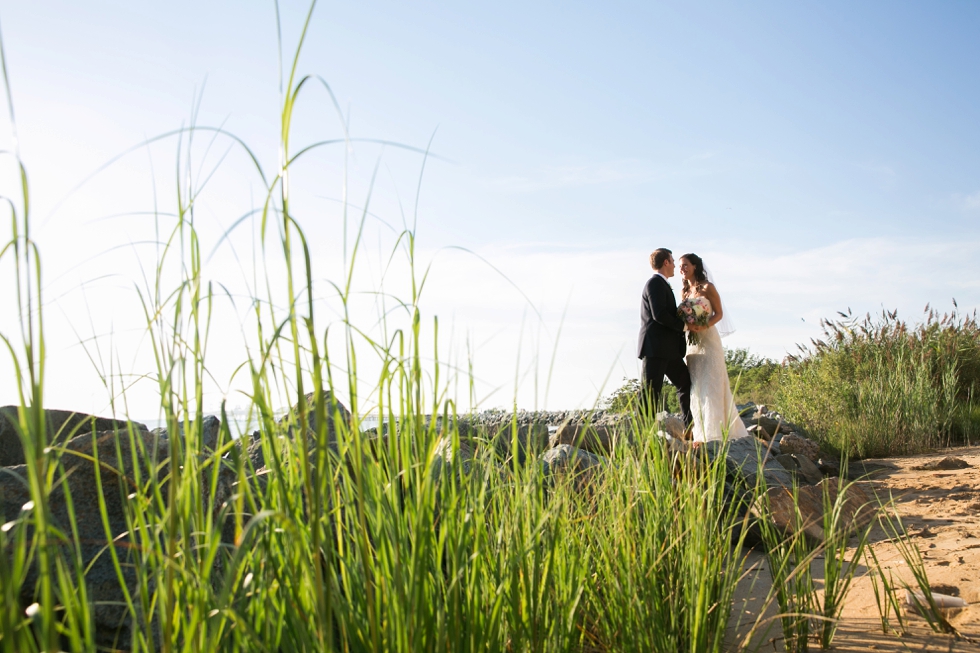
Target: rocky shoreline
(562, 442)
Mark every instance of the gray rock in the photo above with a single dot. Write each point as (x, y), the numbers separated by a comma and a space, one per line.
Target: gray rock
(795, 466)
(532, 439)
(210, 429)
(334, 410)
(746, 458)
(786, 428)
(829, 467)
(806, 514)
(495, 418)
(598, 439)
(62, 425)
(758, 431)
(769, 421)
(332, 407)
(789, 462)
(947, 463)
(565, 459)
(448, 457)
(809, 469)
(770, 425)
(116, 484)
(796, 444)
(672, 425)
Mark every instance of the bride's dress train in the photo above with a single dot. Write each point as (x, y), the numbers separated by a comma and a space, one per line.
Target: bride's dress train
(712, 405)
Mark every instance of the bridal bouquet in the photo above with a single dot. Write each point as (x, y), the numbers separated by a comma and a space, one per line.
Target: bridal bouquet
(694, 312)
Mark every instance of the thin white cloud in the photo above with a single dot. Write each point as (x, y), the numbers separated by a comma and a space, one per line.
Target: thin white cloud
(883, 173)
(582, 307)
(702, 156)
(569, 176)
(607, 172)
(776, 299)
(968, 202)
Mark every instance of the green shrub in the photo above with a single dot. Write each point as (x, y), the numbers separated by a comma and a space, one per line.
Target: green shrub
(752, 377)
(877, 387)
(625, 398)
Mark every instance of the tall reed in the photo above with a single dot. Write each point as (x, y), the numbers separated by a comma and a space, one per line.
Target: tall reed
(838, 572)
(789, 556)
(418, 537)
(877, 386)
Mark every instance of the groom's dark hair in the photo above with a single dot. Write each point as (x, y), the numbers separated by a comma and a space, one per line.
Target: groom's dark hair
(659, 257)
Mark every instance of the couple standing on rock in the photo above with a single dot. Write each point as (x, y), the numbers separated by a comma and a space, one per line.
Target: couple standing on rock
(702, 383)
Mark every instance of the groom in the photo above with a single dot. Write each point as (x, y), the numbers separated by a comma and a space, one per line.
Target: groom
(662, 344)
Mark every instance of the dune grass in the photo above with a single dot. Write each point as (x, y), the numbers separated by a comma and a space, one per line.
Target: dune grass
(400, 543)
(415, 538)
(880, 387)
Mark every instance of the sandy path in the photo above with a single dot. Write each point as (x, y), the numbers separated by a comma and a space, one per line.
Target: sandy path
(941, 510)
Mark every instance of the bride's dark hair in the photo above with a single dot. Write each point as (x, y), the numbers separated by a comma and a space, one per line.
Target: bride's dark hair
(700, 278)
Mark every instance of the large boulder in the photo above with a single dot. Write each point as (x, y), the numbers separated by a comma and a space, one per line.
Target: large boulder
(115, 488)
(794, 443)
(767, 425)
(291, 423)
(598, 432)
(209, 430)
(802, 467)
(566, 459)
(332, 406)
(672, 426)
(805, 513)
(450, 456)
(61, 425)
(531, 438)
(597, 439)
(746, 459)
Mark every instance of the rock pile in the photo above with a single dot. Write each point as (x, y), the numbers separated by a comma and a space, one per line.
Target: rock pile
(576, 443)
(125, 457)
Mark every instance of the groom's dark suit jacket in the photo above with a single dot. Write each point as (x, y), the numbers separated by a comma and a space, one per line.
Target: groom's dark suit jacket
(661, 330)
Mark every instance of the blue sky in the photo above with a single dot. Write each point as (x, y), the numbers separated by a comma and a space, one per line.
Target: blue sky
(820, 156)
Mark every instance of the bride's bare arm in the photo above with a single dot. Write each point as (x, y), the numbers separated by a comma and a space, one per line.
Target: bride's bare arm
(712, 294)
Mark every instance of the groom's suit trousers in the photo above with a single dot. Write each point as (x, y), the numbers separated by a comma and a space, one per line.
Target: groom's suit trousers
(654, 370)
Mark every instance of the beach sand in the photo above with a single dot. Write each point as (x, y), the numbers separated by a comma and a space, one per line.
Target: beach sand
(941, 511)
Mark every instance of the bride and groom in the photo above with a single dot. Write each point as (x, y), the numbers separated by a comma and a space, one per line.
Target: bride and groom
(702, 383)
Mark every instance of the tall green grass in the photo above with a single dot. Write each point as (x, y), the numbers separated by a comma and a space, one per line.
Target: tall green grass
(878, 386)
(415, 540)
(418, 537)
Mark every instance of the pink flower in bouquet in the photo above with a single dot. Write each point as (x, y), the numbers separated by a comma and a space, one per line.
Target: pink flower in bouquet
(694, 312)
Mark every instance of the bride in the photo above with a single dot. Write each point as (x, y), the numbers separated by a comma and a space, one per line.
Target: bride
(712, 406)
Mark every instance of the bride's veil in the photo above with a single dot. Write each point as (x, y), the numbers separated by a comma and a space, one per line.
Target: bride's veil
(725, 326)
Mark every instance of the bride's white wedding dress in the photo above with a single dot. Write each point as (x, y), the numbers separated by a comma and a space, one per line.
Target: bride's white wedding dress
(712, 406)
